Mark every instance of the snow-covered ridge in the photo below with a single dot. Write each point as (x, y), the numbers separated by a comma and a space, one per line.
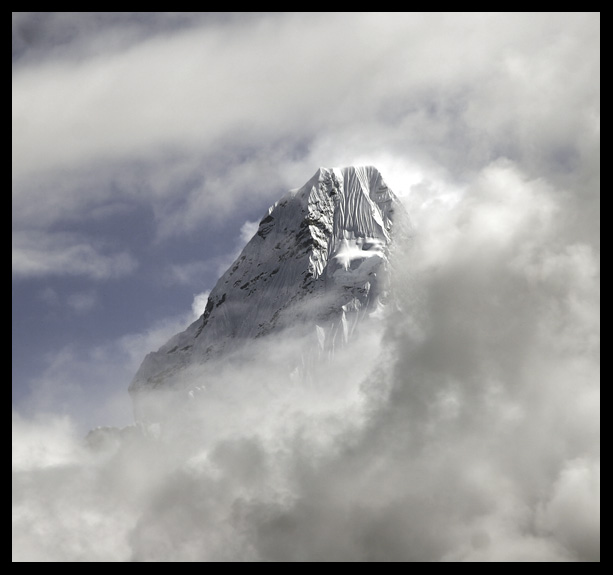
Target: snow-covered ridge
(318, 260)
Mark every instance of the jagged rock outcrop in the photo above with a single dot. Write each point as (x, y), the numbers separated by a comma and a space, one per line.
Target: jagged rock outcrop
(318, 263)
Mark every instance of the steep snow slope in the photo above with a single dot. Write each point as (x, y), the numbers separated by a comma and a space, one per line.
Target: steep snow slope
(317, 263)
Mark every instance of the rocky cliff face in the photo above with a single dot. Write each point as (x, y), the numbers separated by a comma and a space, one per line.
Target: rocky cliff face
(317, 264)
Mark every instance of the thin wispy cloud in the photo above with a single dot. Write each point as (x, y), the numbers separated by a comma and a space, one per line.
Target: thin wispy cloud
(463, 426)
(40, 254)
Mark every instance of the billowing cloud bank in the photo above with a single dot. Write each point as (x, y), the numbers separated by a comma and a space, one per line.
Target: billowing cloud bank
(175, 117)
(465, 427)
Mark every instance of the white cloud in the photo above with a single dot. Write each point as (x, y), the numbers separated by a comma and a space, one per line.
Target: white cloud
(467, 430)
(199, 304)
(573, 513)
(206, 115)
(248, 230)
(44, 442)
(37, 254)
(473, 436)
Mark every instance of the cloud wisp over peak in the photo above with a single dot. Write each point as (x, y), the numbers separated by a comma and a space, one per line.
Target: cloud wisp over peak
(463, 426)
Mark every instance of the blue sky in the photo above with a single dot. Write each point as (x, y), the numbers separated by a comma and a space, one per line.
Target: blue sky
(145, 145)
(465, 427)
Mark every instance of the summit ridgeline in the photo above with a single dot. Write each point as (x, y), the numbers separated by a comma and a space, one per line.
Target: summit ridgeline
(318, 263)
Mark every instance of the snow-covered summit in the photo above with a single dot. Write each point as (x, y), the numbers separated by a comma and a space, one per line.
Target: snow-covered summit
(318, 260)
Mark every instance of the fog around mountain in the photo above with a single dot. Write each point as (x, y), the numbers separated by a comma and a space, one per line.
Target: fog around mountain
(461, 423)
(461, 426)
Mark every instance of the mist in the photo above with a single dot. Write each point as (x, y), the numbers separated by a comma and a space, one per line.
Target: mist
(463, 425)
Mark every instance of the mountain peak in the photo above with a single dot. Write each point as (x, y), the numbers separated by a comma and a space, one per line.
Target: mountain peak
(317, 260)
